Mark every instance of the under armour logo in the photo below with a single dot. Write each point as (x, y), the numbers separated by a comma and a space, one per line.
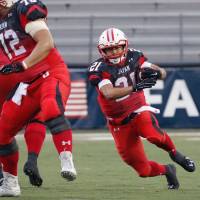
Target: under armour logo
(66, 142)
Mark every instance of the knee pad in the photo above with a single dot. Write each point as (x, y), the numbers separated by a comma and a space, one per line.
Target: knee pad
(58, 124)
(8, 148)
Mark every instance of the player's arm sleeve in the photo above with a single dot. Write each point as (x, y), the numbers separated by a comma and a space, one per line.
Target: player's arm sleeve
(146, 64)
(32, 12)
(104, 82)
(34, 26)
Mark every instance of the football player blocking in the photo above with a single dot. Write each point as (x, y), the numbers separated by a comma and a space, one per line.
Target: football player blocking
(44, 85)
(35, 130)
(120, 76)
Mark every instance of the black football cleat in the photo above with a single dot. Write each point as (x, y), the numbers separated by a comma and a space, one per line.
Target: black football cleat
(183, 161)
(172, 180)
(31, 170)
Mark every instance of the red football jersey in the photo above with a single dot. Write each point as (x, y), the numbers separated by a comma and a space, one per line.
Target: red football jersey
(119, 76)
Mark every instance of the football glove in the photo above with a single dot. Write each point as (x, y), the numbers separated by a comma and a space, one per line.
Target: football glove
(11, 68)
(149, 73)
(145, 83)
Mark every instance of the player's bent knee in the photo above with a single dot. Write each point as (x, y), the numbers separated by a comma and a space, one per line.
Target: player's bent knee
(144, 171)
(58, 124)
(8, 149)
(143, 168)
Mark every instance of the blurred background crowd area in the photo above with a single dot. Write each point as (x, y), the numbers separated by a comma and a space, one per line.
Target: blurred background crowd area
(167, 31)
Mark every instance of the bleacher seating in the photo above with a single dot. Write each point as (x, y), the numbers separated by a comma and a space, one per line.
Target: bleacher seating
(167, 31)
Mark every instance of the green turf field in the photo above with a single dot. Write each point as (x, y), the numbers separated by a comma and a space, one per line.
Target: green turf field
(103, 176)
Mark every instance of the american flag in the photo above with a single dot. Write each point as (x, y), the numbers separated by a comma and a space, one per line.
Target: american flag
(77, 103)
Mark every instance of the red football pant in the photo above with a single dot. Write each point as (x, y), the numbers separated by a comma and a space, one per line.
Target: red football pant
(49, 96)
(43, 97)
(129, 145)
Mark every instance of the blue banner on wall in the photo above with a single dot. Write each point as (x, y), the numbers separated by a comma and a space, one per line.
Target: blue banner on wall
(178, 99)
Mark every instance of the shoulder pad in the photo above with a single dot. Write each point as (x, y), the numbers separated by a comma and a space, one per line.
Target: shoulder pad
(139, 54)
(31, 10)
(136, 52)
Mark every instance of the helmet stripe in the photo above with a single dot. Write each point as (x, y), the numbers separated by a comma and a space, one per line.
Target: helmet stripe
(108, 35)
(112, 33)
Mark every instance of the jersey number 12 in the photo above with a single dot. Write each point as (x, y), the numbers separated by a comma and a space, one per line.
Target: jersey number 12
(13, 42)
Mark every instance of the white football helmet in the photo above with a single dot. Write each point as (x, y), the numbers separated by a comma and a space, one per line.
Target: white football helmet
(113, 37)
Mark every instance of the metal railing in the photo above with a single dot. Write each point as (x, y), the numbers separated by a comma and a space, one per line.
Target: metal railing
(184, 31)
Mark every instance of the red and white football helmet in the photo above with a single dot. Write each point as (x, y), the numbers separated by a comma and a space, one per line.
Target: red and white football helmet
(113, 37)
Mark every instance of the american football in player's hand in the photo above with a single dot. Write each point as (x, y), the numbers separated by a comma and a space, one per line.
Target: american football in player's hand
(149, 73)
(143, 84)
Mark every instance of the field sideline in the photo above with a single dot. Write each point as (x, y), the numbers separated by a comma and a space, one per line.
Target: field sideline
(103, 176)
(103, 134)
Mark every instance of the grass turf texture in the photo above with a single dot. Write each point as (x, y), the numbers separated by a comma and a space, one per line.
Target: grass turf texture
(103, 176)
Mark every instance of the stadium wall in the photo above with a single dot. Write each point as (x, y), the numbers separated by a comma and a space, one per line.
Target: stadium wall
(177, 97)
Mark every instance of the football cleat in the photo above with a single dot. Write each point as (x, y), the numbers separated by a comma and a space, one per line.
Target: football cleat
(183, 161)
(68, 170)
(172, 180)
(10, 186)
(31, 170)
